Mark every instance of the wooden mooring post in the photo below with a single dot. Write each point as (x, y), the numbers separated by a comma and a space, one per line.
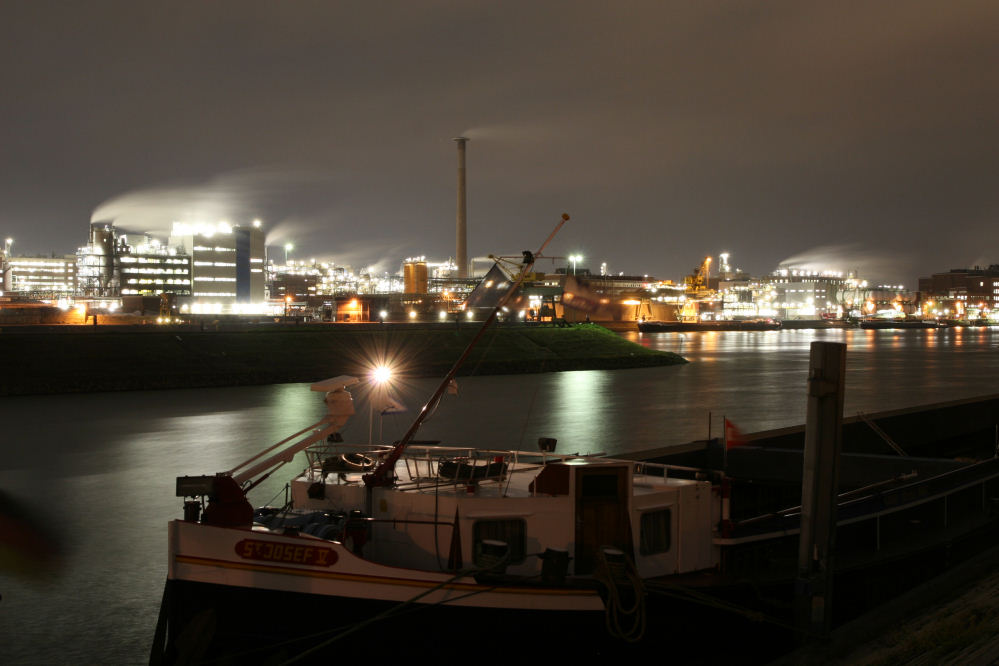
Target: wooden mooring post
(820, 487)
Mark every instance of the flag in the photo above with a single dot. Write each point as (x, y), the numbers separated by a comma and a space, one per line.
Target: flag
(733, 437)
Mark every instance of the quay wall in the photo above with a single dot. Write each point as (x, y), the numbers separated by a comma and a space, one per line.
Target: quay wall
(71, 359)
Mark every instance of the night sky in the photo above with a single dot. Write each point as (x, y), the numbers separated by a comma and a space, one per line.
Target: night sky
(858, 134)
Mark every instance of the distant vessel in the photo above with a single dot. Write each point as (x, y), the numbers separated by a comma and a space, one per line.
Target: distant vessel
(718, 325)
(899, 323)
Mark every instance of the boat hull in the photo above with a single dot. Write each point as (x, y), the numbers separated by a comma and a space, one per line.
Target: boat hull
(308, 565)
(224, 583)
(259, 625)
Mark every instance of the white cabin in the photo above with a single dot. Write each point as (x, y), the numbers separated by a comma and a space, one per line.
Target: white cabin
(530, 501)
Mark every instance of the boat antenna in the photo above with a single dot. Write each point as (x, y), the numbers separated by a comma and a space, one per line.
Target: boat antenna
(380, 475)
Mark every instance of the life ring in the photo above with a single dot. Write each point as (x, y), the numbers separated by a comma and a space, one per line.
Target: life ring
(348, 462)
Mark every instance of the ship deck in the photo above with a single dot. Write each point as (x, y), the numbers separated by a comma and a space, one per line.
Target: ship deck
(458, 471)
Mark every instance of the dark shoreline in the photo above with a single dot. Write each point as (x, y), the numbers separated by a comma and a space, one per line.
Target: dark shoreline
(70, 359)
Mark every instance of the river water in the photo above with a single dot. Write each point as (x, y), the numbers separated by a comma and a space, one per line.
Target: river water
(99, 469)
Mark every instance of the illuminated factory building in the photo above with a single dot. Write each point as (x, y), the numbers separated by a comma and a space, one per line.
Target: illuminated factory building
(227, 261)
(211, 267)
(43, 275)
(961, 292)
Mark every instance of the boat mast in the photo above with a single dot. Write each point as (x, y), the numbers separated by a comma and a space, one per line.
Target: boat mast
(380, 476)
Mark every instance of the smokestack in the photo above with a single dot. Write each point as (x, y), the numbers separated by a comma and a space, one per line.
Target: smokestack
(461, 251)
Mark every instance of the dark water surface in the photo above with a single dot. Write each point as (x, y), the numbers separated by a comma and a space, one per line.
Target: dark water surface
(100, 468)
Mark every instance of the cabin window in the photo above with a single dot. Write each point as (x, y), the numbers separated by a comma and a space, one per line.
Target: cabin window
(512, 531)
(600, 485)
(655, 531)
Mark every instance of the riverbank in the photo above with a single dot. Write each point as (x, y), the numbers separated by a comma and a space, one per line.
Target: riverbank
(60, 360)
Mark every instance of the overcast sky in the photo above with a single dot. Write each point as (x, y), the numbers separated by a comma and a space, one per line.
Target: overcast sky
(862, 134)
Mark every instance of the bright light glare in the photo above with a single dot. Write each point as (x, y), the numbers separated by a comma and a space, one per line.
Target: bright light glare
(381, 374)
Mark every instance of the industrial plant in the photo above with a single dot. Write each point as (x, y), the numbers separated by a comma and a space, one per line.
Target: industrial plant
(224, 269)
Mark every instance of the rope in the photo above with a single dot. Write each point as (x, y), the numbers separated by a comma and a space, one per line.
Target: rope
(395, 610)
(687, 594)
(270, 502)
(437, 544)
(615, 576)
(485, 352)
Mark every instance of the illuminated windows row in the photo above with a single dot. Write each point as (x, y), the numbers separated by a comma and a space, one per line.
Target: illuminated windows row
(159, 271)
(151, 260)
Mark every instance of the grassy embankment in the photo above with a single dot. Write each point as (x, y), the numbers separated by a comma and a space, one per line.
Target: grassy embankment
(106, 360)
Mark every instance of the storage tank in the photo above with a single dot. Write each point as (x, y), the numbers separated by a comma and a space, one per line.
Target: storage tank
(414, 275)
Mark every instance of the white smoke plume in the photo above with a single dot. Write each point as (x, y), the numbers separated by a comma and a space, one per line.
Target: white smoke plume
(238, 197)
(873, 264)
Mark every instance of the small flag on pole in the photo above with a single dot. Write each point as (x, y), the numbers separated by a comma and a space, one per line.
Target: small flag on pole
(733, 437)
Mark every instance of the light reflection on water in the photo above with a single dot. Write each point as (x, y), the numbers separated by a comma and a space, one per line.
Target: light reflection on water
(103, 466)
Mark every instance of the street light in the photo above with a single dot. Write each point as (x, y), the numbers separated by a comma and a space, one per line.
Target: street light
(380, 377)
(288, 247)
(575, 258)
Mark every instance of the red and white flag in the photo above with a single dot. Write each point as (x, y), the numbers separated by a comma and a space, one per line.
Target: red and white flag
(733, 437)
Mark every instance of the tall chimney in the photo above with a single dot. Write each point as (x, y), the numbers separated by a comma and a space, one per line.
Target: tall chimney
(461, 252)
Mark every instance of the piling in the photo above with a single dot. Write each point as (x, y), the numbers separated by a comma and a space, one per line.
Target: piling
(820, 487)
